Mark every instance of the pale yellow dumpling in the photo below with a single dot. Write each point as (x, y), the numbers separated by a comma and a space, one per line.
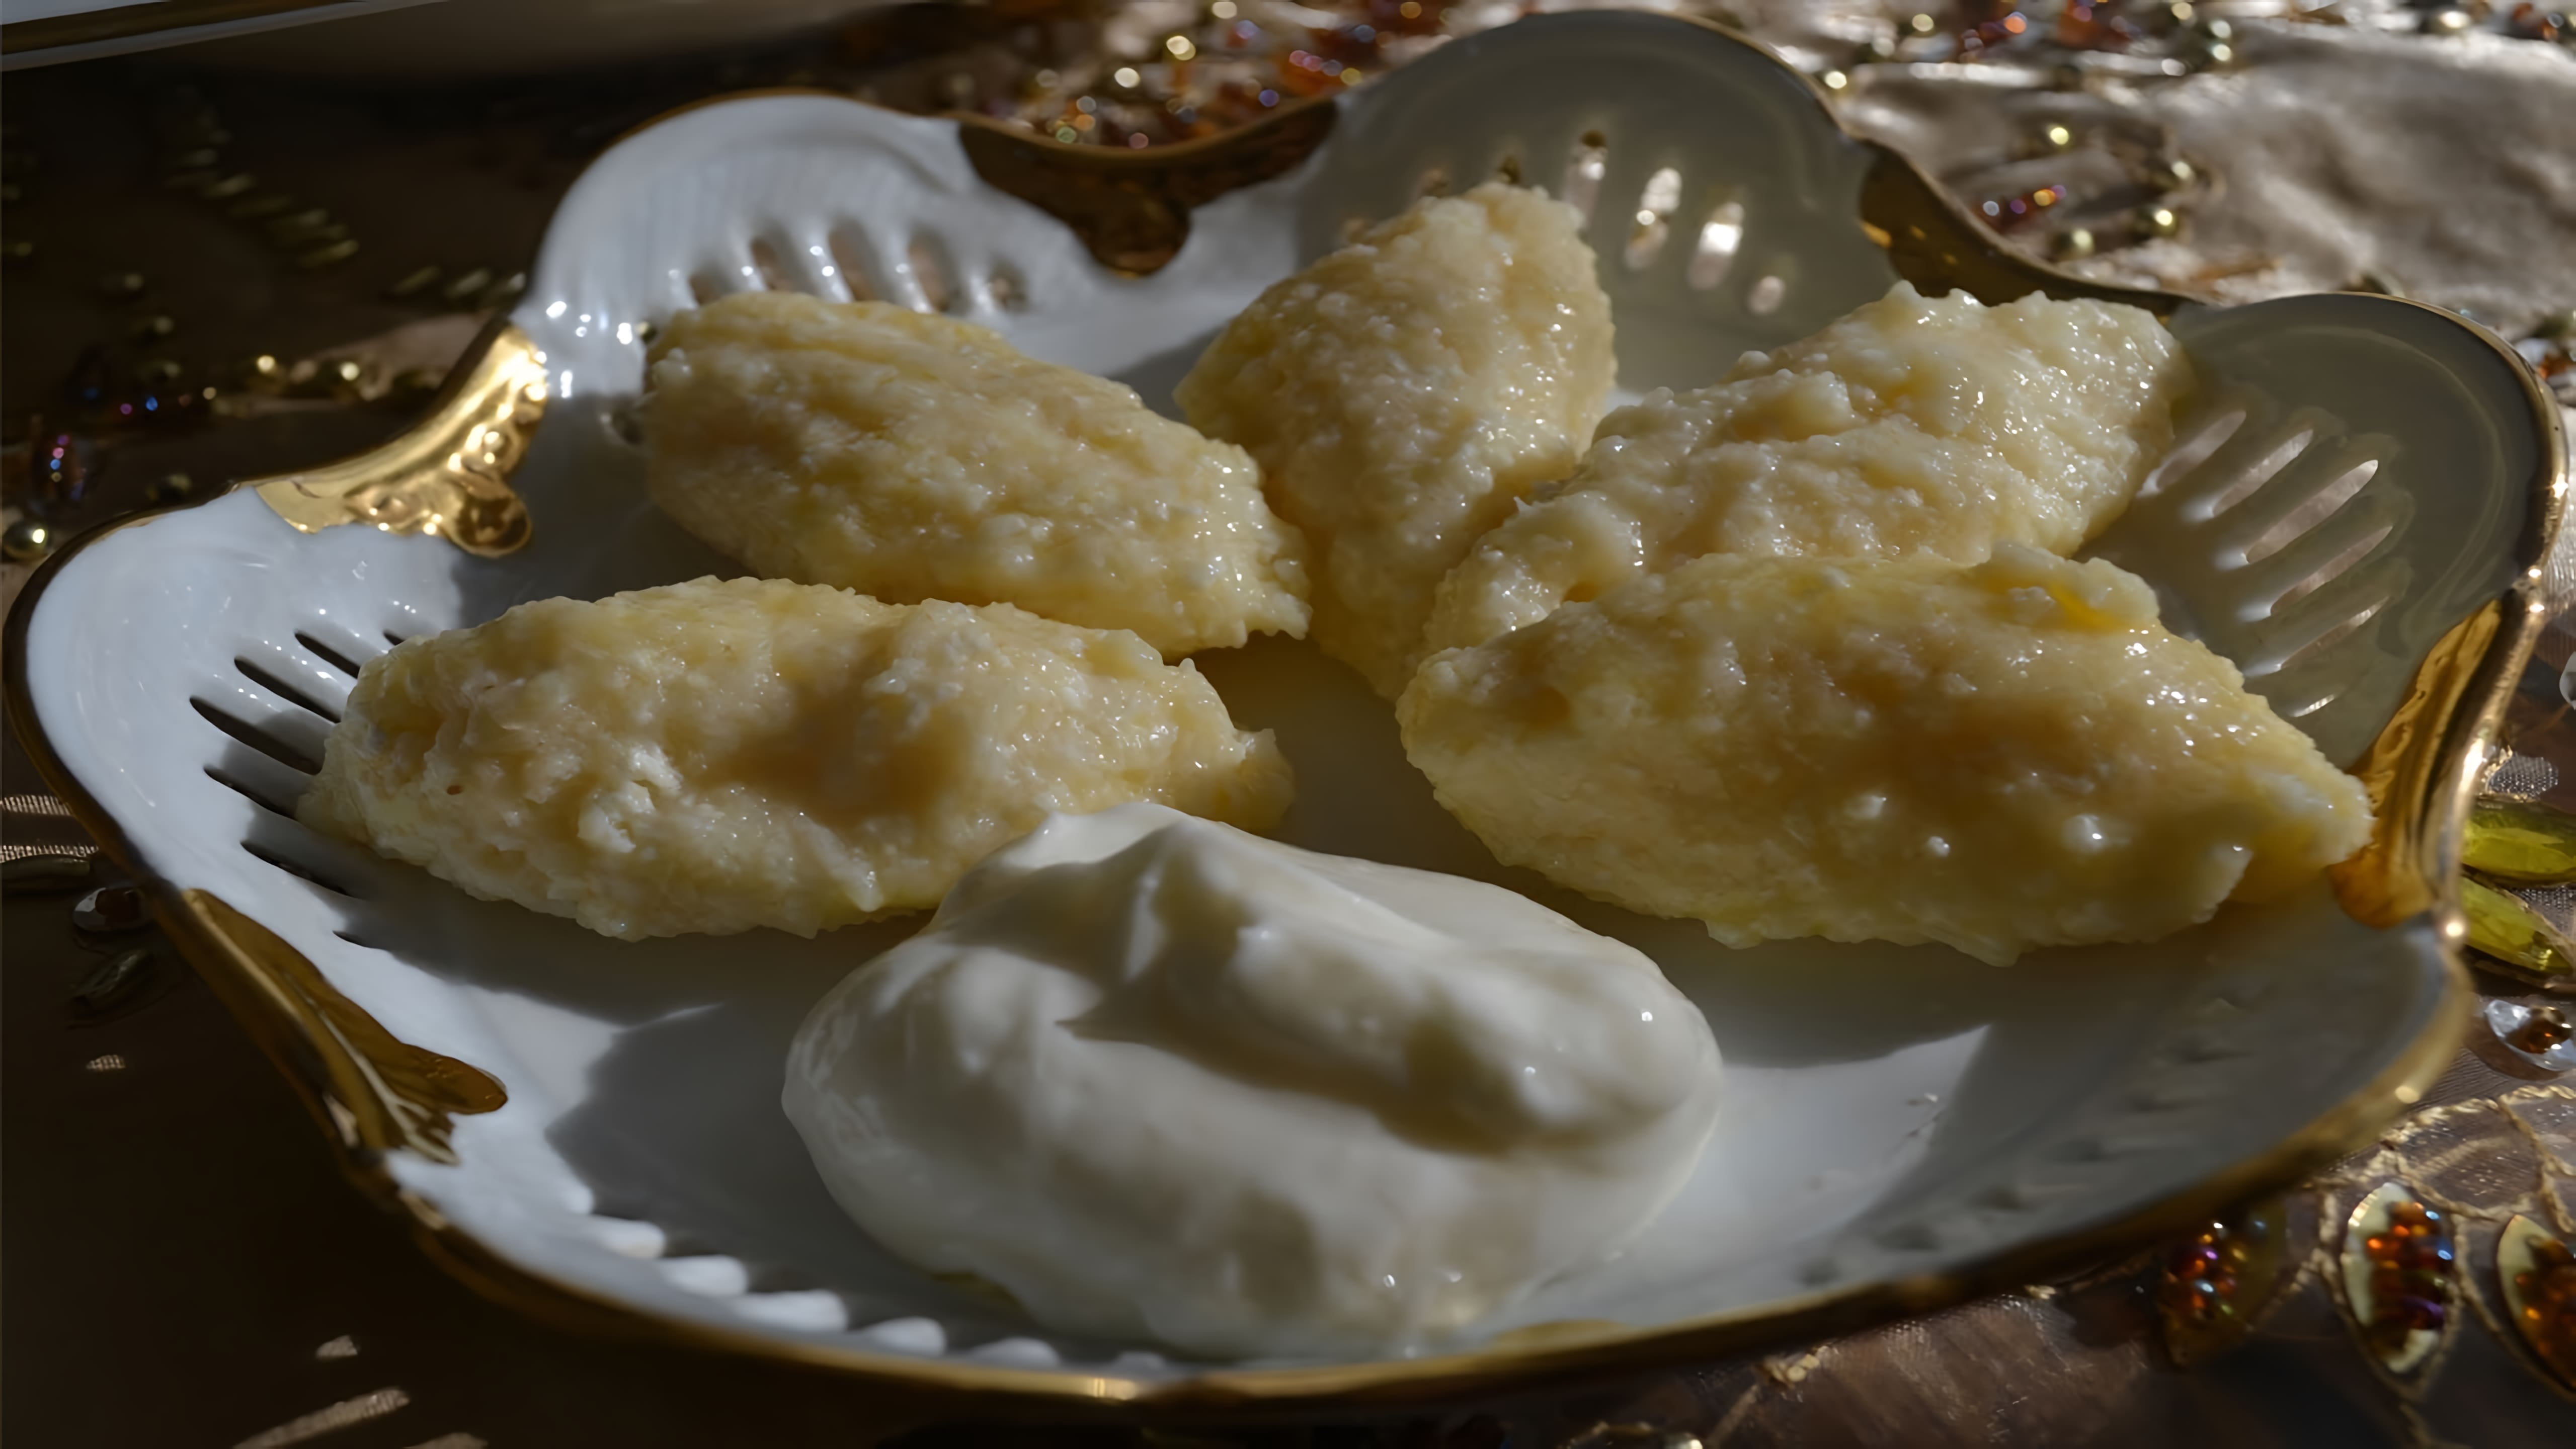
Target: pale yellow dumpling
(1405, 392)
(918, 457)
(1997, 758)
(714, 756)
(1930, 425)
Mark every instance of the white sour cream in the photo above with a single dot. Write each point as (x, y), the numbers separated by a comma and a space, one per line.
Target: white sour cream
(1157, 1077)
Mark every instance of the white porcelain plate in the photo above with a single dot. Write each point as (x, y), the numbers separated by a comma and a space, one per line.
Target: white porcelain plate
(1901, 1124)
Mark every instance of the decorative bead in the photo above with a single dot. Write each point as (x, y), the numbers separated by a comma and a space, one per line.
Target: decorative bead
(111, 911)
(2538, 1276)
(121, 286)
(2546, 1027)
(2449, 22)
(2160, 221)
(2011, 213)
(171, 488)
(2072, 245)
(2090, 25)
(27, 541)
(2397, 1275)
(2540, 1034)
(2213, 1284)
(2531, 22)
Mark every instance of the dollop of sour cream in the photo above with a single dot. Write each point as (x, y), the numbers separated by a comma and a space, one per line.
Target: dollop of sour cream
(1157, 1077)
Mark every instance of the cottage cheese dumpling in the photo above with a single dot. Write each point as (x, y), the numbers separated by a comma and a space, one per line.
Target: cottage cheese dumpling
(917, 457)
(1403, 393)
(1913, 425)
(716, 756)
(1998, 758)
(1154, 1076)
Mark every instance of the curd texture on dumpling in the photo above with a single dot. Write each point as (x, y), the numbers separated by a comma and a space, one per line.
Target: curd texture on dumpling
(1404, 392)
(915, 457)
(714, 756)
(1997, 758)
(1912, 425)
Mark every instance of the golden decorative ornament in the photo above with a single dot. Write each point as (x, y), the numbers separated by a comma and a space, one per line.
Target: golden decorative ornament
(2520, 842)
(448, 476)
(2398, 1277)
(2504, 928)
(2211, 1286)
(2393, 876)
(2543, 1027)
(2537, 1274)
(388, 1094)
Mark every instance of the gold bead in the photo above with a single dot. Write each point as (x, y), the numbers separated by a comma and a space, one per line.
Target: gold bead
(2160, 221)
(2073, 245)
(26, 541)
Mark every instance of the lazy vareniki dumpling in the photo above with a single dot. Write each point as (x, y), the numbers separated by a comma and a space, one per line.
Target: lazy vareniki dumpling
(915, 457)
(1403, 393)
(714, 756)
(1913, 425)
(1997, 758)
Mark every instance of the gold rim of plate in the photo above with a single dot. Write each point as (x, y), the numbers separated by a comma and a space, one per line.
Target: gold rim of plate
(373, 1094)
